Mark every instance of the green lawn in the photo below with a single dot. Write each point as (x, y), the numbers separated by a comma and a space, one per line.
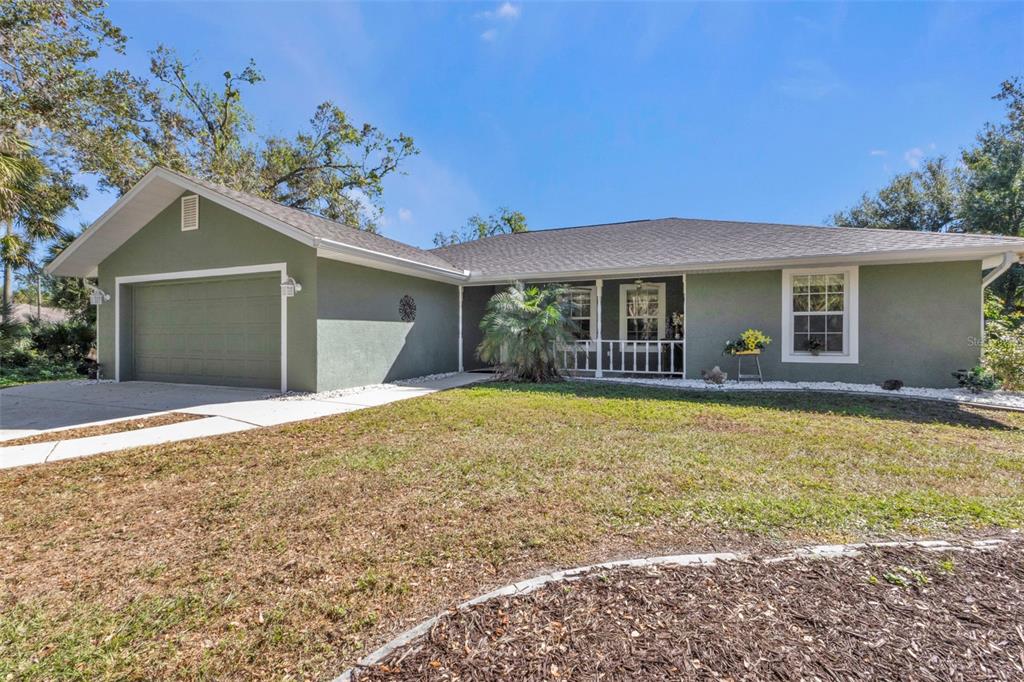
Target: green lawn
(291, 551)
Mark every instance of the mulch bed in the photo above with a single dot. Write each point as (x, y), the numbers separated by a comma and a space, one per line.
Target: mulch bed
(893, 613)
(103, 429)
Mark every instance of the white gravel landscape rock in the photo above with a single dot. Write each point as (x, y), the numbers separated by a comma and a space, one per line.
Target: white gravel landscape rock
(1003, 399)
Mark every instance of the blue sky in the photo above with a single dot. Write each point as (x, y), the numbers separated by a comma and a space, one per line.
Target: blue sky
(578, 113)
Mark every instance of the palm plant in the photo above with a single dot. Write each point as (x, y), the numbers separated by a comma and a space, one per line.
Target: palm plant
(523, 327)
(32, 197)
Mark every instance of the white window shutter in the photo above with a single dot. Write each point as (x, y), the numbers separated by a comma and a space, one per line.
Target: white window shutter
(189, 213)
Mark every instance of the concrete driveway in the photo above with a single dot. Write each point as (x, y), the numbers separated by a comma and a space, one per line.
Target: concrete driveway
(52, 408)
(27, 409)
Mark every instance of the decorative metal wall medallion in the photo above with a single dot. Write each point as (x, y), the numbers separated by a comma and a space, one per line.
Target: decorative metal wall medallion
(407, 308)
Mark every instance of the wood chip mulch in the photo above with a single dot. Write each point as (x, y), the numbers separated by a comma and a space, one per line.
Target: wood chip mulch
(103, 429)
(894, 614)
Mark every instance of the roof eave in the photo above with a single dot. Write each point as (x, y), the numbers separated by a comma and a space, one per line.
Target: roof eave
(335, 250)
(980, 252)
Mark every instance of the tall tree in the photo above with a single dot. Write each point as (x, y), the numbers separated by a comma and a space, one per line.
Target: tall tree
(47, 50)
(49, 90)
(32, 198)
(923, 199)
(992, 199)
(505, 221)
(984, 194)
(333, 167)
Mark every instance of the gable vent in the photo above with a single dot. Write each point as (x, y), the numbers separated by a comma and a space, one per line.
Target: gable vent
(189, 213)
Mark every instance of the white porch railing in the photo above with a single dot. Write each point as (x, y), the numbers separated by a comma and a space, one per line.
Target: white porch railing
(664, 357)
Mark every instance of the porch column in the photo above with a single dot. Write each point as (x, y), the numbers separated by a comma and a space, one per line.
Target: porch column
(460, 329)
(599, 372)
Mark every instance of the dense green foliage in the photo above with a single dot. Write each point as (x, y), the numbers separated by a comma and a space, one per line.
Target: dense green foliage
(505, 221)
(523, 328)
(43, 351)
(1004, 344)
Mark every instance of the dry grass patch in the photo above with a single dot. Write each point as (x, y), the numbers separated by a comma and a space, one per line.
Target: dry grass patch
(103, 429)
(290, 551)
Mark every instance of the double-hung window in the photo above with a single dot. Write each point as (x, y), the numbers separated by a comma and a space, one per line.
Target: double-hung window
(642, 311)
(819, 315)
(581, 311)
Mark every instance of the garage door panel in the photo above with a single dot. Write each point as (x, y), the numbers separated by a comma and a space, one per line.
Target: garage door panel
(215, 331)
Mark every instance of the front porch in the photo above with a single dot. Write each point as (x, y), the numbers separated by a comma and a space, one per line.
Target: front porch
(662, 357)
(624, 327)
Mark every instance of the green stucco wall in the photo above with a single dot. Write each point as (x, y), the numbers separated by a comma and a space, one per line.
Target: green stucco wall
(361, 337)
(917, 323)
(224, 239)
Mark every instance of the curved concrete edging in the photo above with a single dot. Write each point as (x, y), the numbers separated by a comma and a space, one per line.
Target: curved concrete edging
(709, 559)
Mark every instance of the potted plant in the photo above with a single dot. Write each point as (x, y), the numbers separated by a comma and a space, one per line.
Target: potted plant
(750, 342)
(814, 345)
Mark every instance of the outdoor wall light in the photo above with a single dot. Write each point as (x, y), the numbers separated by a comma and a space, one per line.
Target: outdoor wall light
(97, 296)
(290, 287)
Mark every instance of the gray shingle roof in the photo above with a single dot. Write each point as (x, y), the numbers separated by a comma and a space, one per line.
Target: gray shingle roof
(642, 244)
(327, 229)
(675, 242)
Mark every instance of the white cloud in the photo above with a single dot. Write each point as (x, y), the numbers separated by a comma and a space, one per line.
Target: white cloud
(489, 35)
(405, 215)
(505, 10)
(508, 11)
(913, 157)
(878, 152)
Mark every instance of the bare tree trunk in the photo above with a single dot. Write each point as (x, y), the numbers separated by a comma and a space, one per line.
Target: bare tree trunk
(8, 271)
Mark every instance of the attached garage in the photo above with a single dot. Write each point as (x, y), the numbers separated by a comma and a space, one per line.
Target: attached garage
(196, 283)
(222, 331)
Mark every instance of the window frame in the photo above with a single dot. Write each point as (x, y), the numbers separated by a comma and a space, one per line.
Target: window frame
(592, 290)
(851, 333)
(623, 288)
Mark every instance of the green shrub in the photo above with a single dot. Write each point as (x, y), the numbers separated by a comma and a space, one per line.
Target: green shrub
(976, 380)
(64, 342)
(36, 369)
(1004, 356)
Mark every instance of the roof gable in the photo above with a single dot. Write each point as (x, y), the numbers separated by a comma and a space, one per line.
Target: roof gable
(160, 187)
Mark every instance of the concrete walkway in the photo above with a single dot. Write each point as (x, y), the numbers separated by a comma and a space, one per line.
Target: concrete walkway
(243, 409)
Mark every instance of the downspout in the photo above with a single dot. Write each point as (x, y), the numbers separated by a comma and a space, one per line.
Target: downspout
(1009, 258)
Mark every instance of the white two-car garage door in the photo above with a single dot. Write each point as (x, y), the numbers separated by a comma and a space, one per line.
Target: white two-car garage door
(224, 331)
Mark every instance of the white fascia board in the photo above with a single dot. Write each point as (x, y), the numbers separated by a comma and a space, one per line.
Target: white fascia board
(907, 256)
(328, 248)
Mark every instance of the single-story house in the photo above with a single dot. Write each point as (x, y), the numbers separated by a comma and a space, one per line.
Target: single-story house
(198, 283)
